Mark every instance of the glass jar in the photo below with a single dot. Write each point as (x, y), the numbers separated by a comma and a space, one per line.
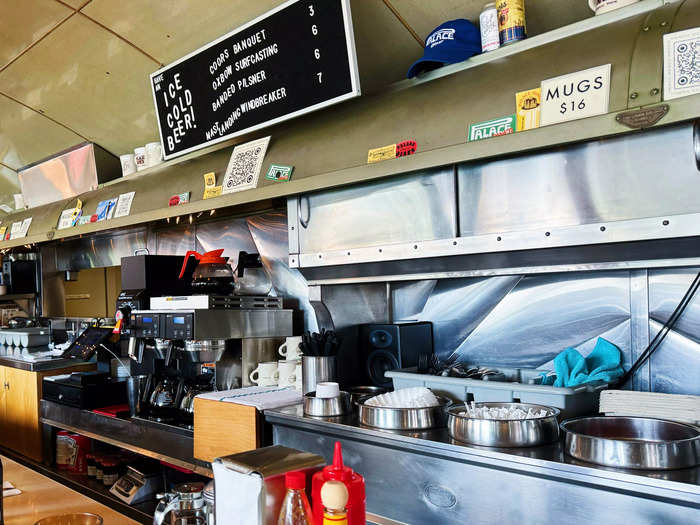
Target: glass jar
(99, 468)
(91, 465)
(110, 472)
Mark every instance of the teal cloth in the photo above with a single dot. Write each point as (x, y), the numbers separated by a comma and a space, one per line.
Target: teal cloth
(604, 363)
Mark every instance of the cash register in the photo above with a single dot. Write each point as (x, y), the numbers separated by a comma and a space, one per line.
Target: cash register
(87, 390)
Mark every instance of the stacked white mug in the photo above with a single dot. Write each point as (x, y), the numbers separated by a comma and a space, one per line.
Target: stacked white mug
(290, 367)
(266, 374)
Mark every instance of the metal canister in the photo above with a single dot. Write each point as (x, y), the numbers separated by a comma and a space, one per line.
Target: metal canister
(488, 23)
(511, 21)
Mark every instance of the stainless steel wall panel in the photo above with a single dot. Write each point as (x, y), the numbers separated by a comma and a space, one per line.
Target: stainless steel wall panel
(417, 207)
(631, 177)
(675, 366)
(177, 240)
(99, 251)
(639, 326)
(269, 233)
(520, 321)
(666, 288)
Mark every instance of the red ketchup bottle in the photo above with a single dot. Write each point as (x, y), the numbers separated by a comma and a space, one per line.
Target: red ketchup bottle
(353, 481)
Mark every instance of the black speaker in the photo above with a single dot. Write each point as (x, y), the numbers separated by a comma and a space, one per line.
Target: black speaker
(385, 347)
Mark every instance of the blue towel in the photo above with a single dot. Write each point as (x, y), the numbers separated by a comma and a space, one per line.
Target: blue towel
(604, 363)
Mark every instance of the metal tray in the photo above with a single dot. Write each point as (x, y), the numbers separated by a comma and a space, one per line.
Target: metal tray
(25, 337)
(519, 386)
(632, 442)
(503, 433)
(402, 418)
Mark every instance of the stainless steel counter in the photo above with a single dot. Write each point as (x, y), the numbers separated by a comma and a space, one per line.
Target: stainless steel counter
(426, 477)
(163, 442)
(40, 366)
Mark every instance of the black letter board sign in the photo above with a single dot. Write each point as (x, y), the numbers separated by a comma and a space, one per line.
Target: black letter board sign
(292, 60)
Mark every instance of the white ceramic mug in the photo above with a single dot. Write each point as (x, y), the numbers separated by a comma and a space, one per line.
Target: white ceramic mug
(298, 384)
(140, 158)
(286, 371)
(128, 164)
(154, 154)
(290, 348)
(265, 374)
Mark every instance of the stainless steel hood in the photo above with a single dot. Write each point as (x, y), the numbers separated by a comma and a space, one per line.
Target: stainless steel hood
(625, 199)
(69, 173)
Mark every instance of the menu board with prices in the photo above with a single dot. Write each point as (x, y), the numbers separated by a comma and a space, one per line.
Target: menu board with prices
(297, 58)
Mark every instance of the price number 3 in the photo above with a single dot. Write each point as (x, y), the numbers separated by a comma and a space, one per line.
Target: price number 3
(317, 51)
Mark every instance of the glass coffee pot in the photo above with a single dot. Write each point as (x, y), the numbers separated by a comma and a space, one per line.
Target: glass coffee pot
(212, 275)
(251, 277)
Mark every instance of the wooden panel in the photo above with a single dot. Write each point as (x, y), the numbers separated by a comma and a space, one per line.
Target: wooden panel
(87, 297)
(114, 286)
(19, 408)
(222, 428)
(22, 412)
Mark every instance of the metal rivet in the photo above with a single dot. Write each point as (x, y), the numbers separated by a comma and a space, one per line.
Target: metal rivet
(454, 243)
(634, 95)
(380, 250)
(665, 223)
(292, 228)
(663, 24)
(618, 118)
(320, 256)
(547, 234)
(602, 228)
(415, 246)
(646, 28)
(498, 238)
(654, 92)
(348, 253)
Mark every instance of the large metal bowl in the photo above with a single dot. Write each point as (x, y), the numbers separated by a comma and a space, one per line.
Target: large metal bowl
(632, 442)
(327, 406)
(402, 418)
(503, 432)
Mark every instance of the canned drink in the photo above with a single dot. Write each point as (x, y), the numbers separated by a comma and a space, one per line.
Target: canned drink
(511, 21)
(488, 23)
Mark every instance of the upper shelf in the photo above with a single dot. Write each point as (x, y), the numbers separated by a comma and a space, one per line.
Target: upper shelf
(329, 148)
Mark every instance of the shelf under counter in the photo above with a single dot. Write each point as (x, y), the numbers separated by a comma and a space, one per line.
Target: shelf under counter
(162, 442)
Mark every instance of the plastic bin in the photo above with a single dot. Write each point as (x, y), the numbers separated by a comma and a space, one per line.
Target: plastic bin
(571, 401)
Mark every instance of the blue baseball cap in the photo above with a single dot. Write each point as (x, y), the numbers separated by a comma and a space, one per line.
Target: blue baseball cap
(449, 43)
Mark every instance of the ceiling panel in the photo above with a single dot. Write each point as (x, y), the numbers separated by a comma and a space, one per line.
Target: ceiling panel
(26, 136)
(30, 20)
(75, 4)
(90, 80)
(385, 49)
(541, 15)
(172, 29)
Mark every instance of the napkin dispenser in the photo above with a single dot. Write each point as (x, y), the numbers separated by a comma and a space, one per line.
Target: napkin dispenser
(256, 478)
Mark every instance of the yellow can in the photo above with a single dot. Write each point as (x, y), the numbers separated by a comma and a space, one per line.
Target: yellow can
(511, 21)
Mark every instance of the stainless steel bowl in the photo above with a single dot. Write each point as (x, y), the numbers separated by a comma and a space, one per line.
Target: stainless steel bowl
(358, 392)
(402, 418)
(327, 407)
(632, 442)
(503, 432)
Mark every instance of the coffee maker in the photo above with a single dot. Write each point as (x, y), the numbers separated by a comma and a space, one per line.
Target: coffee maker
(182, 345)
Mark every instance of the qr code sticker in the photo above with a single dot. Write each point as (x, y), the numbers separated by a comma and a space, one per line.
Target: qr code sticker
(681, 63)
(244, 166)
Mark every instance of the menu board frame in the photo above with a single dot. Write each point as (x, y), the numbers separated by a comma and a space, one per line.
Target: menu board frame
(353, 71)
